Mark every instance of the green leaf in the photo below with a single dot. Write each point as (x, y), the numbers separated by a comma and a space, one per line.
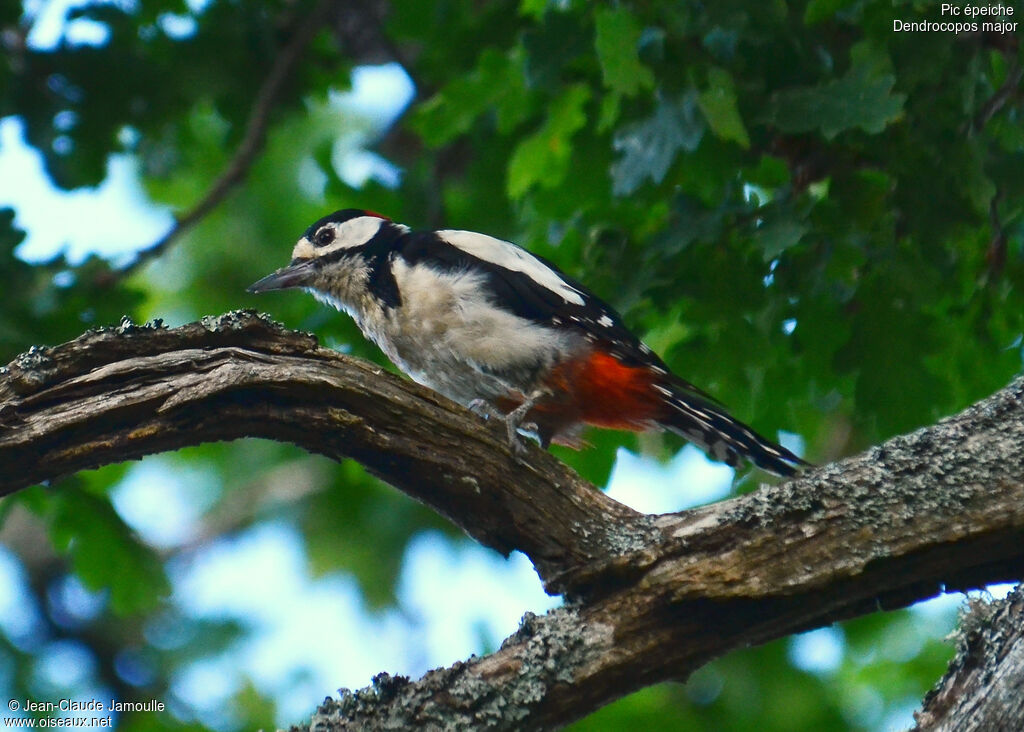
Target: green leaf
(771, 172)
(617, 40)
(610, 107)
(890, 334)
(105, 553)
(533, 8)
(648, 148)
(858, 99)
(359, 525)
(560, 41)
(543, 158)
(778, 236)
(496, 83)
(819, 10)
(718, 104)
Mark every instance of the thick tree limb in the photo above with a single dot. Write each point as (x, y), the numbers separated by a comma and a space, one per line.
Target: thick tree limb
(652, 598)
(119, 394)
(982, 691)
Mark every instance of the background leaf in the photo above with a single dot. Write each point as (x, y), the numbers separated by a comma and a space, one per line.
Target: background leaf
(617, 40)
(718, 104)
(858, 99)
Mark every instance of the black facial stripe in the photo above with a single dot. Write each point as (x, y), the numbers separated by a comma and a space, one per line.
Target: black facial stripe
(380, 252)
(339, 254)
(382, 281)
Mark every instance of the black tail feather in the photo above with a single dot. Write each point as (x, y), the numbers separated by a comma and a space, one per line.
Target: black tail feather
(723, 437)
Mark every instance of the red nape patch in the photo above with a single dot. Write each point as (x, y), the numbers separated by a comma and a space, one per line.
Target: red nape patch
(378, 215)
(608, 393)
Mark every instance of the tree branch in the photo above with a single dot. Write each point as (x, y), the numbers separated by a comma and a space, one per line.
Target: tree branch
(121, 393)
(982, 689)
(1006, 92)
(252, 141)
(650, 597)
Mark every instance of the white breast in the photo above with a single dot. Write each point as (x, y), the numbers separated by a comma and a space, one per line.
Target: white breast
(448, 335)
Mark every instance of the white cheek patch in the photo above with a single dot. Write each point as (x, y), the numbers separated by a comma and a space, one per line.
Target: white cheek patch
(508, 255)
(352, 233)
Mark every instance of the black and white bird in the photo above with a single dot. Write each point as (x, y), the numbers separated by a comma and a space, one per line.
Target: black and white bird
(491, 326)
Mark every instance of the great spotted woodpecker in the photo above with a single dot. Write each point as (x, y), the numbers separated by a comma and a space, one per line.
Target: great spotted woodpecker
(492, 326)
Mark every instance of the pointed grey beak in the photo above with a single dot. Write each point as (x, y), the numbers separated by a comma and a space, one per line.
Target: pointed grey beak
(297, 274)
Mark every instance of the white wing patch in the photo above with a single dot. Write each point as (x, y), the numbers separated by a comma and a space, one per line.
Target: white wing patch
(508, 255)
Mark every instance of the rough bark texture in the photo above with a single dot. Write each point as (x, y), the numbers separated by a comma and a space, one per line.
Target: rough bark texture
(983, 691)
(120, 393)
(650, 597)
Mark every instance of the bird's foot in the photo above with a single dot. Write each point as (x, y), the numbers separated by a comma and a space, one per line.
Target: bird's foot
(484, 409)
(514, 424)
(517, 441)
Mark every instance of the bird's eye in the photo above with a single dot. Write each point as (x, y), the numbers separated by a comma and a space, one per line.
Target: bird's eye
(323, 237)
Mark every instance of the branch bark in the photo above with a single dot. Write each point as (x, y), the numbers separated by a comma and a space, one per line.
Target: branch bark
(120, 393)
(650, 598)
(981, 692)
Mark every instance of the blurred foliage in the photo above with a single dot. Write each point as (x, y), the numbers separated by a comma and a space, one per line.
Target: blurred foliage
(813, 217)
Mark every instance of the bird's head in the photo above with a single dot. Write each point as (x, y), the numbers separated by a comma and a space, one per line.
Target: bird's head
(335, 246)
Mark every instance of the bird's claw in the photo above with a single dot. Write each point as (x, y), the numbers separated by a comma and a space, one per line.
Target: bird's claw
(517, 441)
(484, 409)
